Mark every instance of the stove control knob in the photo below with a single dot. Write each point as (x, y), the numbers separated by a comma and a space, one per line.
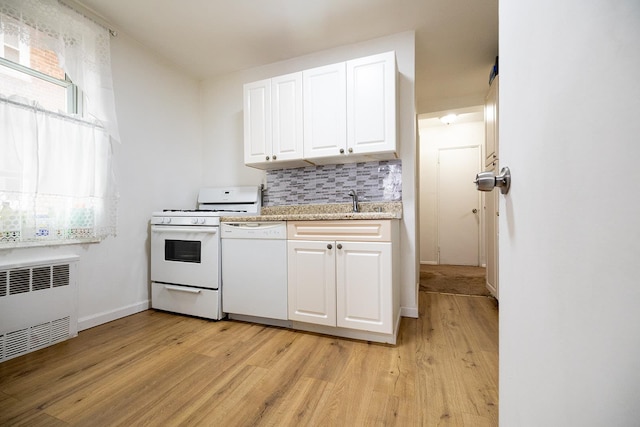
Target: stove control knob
(194, 220)
(168, 221)
(202, 220)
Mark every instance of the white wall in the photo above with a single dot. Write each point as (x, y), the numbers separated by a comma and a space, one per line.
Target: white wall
(223, 133)
(158, 165)
(570, 226)
(435, 135)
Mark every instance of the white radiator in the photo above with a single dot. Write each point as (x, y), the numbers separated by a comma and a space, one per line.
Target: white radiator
(38, 304)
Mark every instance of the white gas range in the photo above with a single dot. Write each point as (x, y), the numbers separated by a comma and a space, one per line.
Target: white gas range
(185, 251)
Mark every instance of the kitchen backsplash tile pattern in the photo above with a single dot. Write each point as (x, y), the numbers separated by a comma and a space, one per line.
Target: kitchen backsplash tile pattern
(379, 181)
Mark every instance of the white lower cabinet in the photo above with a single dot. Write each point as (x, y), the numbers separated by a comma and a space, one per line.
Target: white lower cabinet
(342, 274)
(312, 282)
(364, 286)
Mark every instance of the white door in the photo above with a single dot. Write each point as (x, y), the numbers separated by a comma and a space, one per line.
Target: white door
(570, 225)
(458, 206)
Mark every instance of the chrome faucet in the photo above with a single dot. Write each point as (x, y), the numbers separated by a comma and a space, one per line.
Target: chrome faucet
(354, 195)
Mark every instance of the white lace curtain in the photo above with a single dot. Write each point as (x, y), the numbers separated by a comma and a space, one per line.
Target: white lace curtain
(82, 46)
(56, 181)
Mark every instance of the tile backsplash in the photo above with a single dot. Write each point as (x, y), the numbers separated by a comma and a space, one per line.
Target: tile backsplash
(379, 181)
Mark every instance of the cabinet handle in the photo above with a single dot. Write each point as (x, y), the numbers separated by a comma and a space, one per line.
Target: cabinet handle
(329, 246)
(339, 246)
(267, 157)
(274, 157)
(351, 150)
(342, 151)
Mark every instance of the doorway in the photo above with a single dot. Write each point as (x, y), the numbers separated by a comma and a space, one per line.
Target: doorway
(444, 183)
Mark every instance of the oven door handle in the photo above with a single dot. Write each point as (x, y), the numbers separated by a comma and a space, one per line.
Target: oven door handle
(181, 289)
(171, 229)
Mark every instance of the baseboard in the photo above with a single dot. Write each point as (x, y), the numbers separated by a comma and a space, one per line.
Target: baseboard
(428, 262)
(107, 316)
(409, 312)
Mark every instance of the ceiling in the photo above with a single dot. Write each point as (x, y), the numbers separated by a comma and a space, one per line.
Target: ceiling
(456, 40)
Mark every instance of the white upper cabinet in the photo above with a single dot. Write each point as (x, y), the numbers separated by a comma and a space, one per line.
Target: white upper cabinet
(338, 113)
(257, 121)
(273, 122)
(371, 104)
(286, 109)
(325, 120)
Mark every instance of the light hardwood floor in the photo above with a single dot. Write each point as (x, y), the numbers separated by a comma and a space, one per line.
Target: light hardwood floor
(160, 369)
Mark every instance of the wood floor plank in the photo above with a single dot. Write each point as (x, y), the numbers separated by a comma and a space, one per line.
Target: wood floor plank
(221, 405)
(353, 391)
(458, 379)
(302, 404)
(329, 358)
(268, 394)
(21, 375)
(73, 379)
(389, 410)
(110, 399)
(13, 412)
(210, 385)
(162, 369)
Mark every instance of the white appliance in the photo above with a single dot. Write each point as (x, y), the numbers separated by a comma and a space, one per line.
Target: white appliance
(185, 251)
(254, 271)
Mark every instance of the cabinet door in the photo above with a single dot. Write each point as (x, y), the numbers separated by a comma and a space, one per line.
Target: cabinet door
(364, 286)
(325, 123)
(286, 105)
(257, 121)
(371, 104)
(311, 277)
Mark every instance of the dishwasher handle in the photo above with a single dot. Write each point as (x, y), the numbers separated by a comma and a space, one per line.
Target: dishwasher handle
(254, 230)
(252, 225)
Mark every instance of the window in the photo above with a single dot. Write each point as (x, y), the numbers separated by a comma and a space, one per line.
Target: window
(11, 48)
(35, 74)
(56, 182)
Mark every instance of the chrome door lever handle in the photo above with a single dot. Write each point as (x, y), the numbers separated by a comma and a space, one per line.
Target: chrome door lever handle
(486, 181)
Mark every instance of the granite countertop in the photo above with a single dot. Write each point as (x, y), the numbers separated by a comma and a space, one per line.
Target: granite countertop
(334, 211)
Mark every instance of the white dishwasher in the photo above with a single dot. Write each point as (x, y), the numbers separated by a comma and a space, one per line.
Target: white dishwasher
(254, 271)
